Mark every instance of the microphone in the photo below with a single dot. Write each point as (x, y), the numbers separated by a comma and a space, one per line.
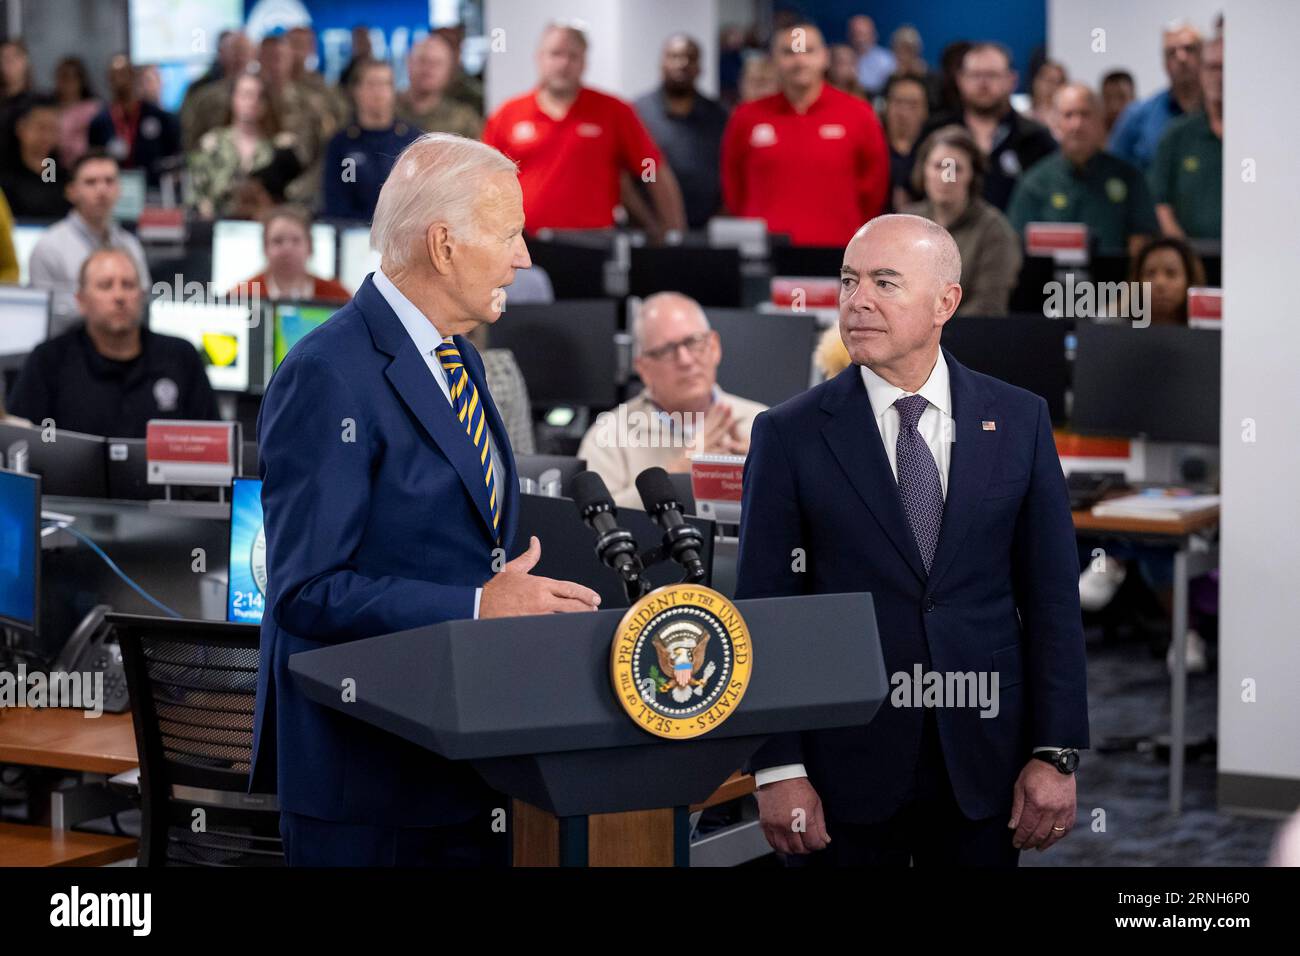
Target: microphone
(615, 546)
(681, 540)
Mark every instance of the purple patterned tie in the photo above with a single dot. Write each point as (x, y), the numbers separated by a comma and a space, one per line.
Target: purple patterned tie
(918, 478)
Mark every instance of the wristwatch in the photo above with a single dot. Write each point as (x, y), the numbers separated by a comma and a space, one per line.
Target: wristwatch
(1066, 761)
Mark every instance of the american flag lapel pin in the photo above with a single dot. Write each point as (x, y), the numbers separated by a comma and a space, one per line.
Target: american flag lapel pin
(989, 426)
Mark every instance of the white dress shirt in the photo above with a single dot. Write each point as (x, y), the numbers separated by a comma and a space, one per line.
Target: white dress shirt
(937, 428)
(427, 338)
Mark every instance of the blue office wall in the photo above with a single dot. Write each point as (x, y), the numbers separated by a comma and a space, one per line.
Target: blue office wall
(1020, 24)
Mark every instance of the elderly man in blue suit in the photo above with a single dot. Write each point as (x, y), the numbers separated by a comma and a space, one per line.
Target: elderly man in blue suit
(390, 499)
(938, 490)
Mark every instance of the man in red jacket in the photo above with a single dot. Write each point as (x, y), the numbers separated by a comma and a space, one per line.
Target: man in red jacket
(810, 160)
(572, 143)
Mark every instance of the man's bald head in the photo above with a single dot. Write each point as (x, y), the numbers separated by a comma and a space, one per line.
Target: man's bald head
(899, 285)
(663, 308)
(1079, 122)
(677, 354)
(945, 255)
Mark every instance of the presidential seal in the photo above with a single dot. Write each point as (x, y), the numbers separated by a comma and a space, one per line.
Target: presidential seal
(680, 661)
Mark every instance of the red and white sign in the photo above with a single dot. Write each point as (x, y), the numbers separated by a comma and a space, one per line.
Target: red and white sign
(805, 292)
(157, 224)
(716, 485)
(1065, 242)
(1205, 308)
(190, 453)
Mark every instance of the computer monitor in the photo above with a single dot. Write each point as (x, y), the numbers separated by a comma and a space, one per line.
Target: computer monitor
(72, 464)
(221, 333)
(766, 357)
(709, 276)
(356, 259)
(246, 593)
(127, 466)
(1027, 351)
(569, 546)
(24, 317)
(134, 187)
(293, 320)
(238, 252)
(565, 350)
(1160, 382)
(20, 551)
(820, 261)
(532, 466)
(576, 269)
(26, 236)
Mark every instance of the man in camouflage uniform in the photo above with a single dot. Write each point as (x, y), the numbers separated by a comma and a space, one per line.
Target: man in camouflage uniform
(426, 104)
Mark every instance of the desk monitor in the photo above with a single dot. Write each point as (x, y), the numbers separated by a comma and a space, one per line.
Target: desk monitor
(20, 551)
(238, 252)
(821, 261)
(576, 270)
(565, 350)
(1027, 351)
(766, 357)
(709, 276)
(220, 332)
(292, 321)
(569, 546)
(71, 465)
(246, 593)
(1160, 382)
(356, 259)
(26, 236)
(24, 319)
(127, 466)
(532, 466)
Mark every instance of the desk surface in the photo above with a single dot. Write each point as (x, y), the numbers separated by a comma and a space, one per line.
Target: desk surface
(66, 740)
(1087, 521)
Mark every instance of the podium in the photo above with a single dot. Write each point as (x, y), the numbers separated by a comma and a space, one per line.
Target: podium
(529, 703)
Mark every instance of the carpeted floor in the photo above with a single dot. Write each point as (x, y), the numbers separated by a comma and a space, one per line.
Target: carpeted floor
(1128, 792)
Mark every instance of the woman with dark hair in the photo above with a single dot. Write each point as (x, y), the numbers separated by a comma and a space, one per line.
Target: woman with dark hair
(949, 172)
(1172, 268)
(77, 107)
(227, 155)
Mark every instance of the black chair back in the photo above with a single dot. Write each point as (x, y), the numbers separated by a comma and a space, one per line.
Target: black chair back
(193, 687)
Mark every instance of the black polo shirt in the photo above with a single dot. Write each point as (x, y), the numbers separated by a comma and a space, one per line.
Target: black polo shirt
(30, 196)
(1018, 143)
(66, 380)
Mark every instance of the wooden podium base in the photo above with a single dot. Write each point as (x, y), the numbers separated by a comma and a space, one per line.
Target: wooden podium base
(635, 838)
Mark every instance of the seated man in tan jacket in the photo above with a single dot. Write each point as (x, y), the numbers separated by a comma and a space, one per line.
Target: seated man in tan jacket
(681, 412)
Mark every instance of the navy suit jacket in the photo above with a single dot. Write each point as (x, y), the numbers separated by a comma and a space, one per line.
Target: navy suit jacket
(1002, 594)
(376, 518)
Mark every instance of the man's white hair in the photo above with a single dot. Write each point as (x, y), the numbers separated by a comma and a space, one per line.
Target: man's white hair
(438, 178)
(947, 258)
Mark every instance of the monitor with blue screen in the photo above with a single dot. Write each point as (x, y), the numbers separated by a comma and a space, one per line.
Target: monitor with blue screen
(293, 320)
(246, 595)
(20, 550)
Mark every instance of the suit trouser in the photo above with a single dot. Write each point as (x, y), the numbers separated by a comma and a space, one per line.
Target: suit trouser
(309, 841)
(928, 830)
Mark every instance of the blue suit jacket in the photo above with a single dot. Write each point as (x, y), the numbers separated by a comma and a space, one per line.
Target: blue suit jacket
(376, 520)
(1002, 594)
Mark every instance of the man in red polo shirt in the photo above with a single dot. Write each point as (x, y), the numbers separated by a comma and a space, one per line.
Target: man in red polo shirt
(572, 143)
(810, 160)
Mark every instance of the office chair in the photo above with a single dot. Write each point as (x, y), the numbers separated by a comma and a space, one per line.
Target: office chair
(193, 687)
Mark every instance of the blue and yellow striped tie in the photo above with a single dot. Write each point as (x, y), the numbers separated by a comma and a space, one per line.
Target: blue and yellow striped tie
(469, 410)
